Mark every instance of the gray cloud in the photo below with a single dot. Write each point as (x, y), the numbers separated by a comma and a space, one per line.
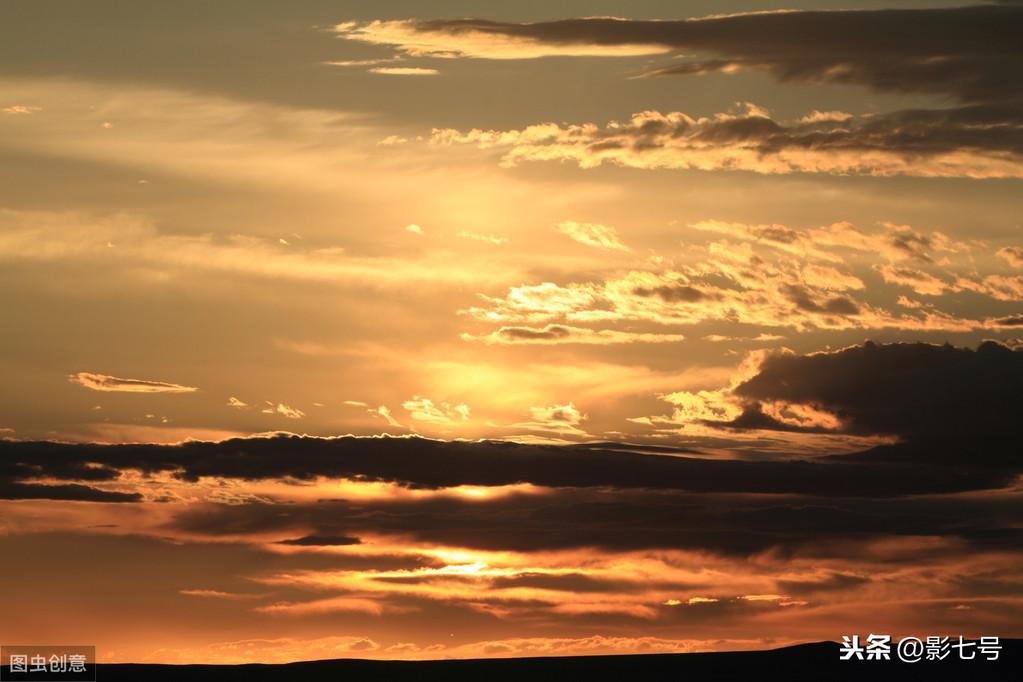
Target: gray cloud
(972, 53)
(732, 524)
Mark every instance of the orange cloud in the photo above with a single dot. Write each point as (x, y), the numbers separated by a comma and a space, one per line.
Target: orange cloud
(417, 39)
(746, 139)
(112, 384)
(592, 234)
(565, 334)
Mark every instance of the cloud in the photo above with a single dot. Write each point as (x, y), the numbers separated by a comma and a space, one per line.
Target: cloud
(827, 277)
(1013, 255)
(766, 294)
(967, 52)
(922, 392)
(964, 142)
(592, 234)
(428, 464)
(51, 236)
(283, 410)
(998, 287)
(107, 383)
(414, 229)
(322, 541)
(616, 522)
(329, 605)
(894, 242)
(829, 581)
(200, 136)
(68, 492)
(361, 62)
(404, 71)
(1007, 321)
(535, 302)
(483, 237)
(561, 420)
(766, 275)
(919, 281)
(385, 412)
(701, 600)
(424, 410)
(702, 406)
(433, 39)
(217, 594)
(562, 414)
(563, 334)
(236, 403)
(20, 109)
(936, 405)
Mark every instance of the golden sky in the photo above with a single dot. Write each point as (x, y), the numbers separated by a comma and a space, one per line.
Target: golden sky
(739, 290)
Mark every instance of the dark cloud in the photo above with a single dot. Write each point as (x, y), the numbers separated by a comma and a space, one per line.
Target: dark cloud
(424, 463)
(972, 53)
(69, 491)
(681, 293)
(548, 333)
(835, 305)
(16, 480)
(954, 410)
(924, 393)
(969, 54)
(322, 541)
(835, 581)
(754, 418)
(568, 582)
(616, 520)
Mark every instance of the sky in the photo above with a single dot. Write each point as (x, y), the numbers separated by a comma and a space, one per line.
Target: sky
(413, 330)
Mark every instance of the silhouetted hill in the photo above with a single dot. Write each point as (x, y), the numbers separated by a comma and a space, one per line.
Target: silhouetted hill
(817, 661)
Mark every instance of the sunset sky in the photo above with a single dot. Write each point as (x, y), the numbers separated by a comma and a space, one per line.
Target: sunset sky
(693, 325)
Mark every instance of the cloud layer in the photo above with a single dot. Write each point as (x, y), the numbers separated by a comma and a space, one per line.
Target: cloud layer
(976, 141)
(969, 52)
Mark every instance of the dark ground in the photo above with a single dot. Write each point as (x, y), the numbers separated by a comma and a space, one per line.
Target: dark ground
(818, 661)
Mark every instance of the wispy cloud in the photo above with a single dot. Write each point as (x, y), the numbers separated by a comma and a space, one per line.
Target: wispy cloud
(283, 410)
(425, 410)
(565, 334)
(592, 234)
(21, 109)
(473, 39)
(218, 594)
(404, 71)
(483, 237)
(112, 384)
(131, 241)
